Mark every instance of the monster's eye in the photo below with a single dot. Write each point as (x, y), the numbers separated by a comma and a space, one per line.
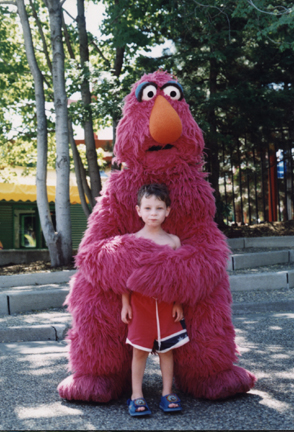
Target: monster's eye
(146, 91)
(173, 90)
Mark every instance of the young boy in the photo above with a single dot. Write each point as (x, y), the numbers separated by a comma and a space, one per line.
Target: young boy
(153, 325)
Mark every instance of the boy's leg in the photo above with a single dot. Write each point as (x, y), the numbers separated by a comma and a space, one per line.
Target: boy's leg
(138, 368)
(167, 371)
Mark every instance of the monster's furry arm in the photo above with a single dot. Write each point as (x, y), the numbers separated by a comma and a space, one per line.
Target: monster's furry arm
(103, 256)
(185, 275)
(110, 262)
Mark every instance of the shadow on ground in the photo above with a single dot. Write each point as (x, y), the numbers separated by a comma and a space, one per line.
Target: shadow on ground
(32, 371)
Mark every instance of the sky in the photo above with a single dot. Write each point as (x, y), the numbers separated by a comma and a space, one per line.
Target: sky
(93, 12)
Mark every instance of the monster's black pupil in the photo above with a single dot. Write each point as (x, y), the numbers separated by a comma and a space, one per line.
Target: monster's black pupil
(150, 94)
(173, 94)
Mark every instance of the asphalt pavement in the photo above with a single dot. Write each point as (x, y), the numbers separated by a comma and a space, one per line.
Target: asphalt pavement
(31, 371)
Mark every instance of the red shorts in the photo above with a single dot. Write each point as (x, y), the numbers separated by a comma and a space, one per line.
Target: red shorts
(152, 327)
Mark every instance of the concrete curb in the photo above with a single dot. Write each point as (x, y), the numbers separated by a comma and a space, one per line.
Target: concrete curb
(36, 278)
(259, 281)
(237, 243)
(291, 278)
(262, 281)
(33, 333)
(285, 241)
(258, 259)
(19, 256)
(274, 241)
(16, 302)
(30, 300)
(3, 304)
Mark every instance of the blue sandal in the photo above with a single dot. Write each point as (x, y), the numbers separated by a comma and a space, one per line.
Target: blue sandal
(170, 399)
(138, 403)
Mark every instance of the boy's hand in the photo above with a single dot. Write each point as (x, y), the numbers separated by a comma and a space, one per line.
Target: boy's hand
(178, 313)
(126, 313)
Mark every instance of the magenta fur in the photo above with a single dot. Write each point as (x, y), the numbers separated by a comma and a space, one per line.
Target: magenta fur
(110, 259)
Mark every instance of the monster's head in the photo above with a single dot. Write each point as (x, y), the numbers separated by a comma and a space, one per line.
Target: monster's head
(157, 129)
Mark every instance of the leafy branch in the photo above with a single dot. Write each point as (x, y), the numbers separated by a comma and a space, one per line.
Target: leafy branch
(283, 11)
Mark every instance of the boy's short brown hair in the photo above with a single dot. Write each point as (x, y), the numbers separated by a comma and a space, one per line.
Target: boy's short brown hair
(158, 190)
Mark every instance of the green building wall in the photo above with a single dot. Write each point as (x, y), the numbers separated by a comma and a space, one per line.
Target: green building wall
(7, 214)
(78, 224)
(6, 226)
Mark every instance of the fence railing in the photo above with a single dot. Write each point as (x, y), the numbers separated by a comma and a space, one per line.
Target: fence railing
(256, 184)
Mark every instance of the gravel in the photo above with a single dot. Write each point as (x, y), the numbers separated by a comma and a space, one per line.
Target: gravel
(32, 371)
(283, 294)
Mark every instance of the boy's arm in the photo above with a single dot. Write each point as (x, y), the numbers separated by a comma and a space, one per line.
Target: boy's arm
(126, 297)
(178, 313)
(126, 312)
(177, 241)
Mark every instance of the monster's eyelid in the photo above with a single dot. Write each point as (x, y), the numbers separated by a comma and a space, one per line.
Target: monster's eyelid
(175, 84)
(140, 88)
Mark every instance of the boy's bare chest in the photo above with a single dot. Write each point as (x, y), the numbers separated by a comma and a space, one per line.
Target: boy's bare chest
(160, 240)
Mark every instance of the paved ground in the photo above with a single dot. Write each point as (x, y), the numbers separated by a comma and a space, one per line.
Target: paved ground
(31, 371)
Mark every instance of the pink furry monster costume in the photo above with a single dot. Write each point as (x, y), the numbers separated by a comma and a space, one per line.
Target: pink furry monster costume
(160, 143)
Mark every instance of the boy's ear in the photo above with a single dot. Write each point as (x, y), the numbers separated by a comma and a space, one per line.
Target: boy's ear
(138, 210)
(167, 211)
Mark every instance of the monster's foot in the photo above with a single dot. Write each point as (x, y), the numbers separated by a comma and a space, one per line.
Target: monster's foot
(91, 387)
(221, 385)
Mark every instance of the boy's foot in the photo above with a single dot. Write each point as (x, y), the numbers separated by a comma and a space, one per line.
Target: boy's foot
(138, 407)
(137, 397)
(170, 403)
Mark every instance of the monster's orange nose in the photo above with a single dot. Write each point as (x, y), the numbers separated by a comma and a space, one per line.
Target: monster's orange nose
(165, 125)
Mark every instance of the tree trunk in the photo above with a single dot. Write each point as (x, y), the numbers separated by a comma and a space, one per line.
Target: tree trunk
(115, 165)
(213, 145)
(118, 63)
(80, 171)
(51, 237)
(119, 59)
(62, 202)
(40, 28)
(86, 98)
(77, 169)
(213, 142)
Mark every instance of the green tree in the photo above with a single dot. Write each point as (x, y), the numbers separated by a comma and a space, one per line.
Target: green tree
(59, 243)
(128, 27)
(234, 80)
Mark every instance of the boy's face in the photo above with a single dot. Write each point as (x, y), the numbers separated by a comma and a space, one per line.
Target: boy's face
(153, 211)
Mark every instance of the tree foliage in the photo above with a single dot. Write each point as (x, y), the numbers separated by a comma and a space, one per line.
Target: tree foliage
(234, 58)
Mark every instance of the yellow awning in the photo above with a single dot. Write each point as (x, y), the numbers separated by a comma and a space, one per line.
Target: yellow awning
(24, 192)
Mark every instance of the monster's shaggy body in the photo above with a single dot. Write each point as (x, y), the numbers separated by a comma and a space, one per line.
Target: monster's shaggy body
(111, 259)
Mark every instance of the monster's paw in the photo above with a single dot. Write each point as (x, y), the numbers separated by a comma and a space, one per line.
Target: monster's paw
(91, 388)
(229, 383)
(221, 385)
